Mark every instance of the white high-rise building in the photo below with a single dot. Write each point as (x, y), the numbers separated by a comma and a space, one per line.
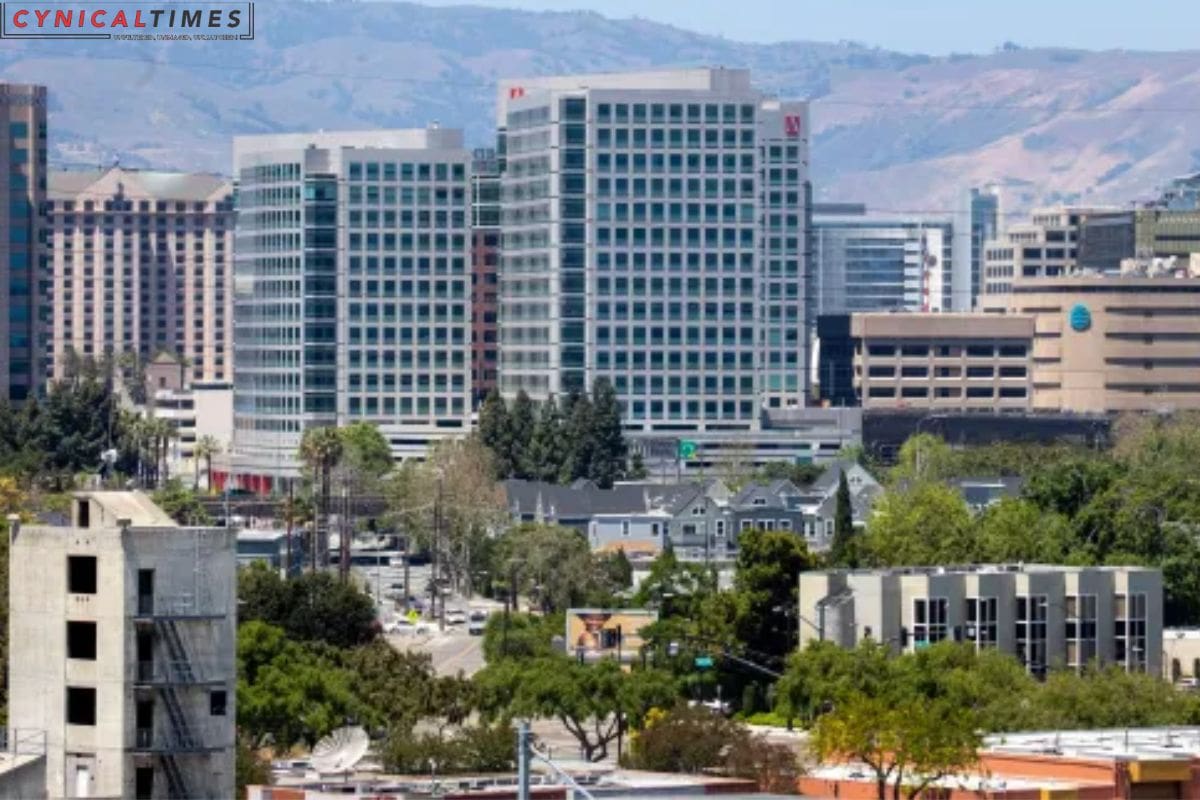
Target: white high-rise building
(122, 636)
(352, 292)
(655, 233)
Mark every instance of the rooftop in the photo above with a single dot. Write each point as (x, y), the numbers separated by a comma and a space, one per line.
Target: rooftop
(95, 184)
(992, 569)
(137, 507)
(1121, 744)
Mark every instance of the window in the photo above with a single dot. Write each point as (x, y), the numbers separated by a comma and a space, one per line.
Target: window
(720, 529)
(1080, 630)
(981, 621)
(746, 525)
(929, 621)
(1129, 631)
(81, 640)
(216, 703)
(81, 574)
(625, 528)
(143, 783)
(1031, 632)
(81, 705)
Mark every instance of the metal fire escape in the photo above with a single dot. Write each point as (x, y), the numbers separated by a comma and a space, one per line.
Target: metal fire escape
(175, 678)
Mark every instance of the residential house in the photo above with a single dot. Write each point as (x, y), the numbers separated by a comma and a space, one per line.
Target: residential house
(983, 492)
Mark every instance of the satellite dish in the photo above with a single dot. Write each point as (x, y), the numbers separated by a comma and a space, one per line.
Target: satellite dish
(340, 751)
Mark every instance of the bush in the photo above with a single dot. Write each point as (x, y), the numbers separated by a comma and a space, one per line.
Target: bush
(473, 749)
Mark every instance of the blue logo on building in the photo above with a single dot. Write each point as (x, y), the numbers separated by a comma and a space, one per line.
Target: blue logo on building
(1081, 318)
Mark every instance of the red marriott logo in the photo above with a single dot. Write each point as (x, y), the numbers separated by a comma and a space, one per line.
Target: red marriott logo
(117, 20)
(792, 125)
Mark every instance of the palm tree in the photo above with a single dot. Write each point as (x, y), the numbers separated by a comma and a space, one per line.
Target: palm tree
(206, 447)
(321, 450)
(159, 433)
(294, 511)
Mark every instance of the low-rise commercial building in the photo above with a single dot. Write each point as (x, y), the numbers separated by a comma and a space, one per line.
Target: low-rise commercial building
(1125, 764)
(122, 630)
(943, 361)
(1046, 616)
(1106, 344)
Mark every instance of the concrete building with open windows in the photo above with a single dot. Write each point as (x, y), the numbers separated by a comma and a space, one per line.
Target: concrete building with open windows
(122, 632)
(1045, 247)
(23, 138)
(352, 292)
(655, 232)
(1046, 616)
(1110, 343)
(942, 361)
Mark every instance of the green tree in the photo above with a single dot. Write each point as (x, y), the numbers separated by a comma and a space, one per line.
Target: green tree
(365, 449)
(522, 422)
(920, 523)
(766, 580)
(608, 457)
(547, 450)
(313, 607)
(288, 693)
(908, 743)
(250, 768)
(320, 450)
(206, 447)
(181, 504)
(552, 565)
(592, 701)
(581, 436)
(520, 636)
(843, 551)
(1015, 529)
(495, 432)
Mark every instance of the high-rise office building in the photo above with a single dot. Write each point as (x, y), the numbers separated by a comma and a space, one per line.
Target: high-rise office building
(979, 220)
(655, 233)
(22, 193)
(880, 263)
(485, 271)
(352, 291)
(141, 262)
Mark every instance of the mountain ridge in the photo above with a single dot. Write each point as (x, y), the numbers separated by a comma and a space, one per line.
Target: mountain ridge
(903, 132)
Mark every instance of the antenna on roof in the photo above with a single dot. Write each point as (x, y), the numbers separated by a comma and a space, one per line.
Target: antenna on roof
(339, 752)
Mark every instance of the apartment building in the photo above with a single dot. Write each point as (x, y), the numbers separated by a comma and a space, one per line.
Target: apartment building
(1046, 247)
(122, 632)
(141, 262)
(881, 263)
(978, 220)
(485, 271)
(22, 194)
(353, 296)
(943, 361)
(1110, 343)
(1046, 616)
(655, 232)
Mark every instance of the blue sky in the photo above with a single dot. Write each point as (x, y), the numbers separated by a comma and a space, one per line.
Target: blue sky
(926, 26)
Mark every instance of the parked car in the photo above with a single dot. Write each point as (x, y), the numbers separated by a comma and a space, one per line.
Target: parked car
(477, 623)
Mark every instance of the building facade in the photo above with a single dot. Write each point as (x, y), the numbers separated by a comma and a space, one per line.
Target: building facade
(1106, 344)
(943, 361)
(1108, 239)
(22, 195)
(353, 297)
(878, 263)
(1045, 616)
(979, 220)
(123, 631)
(655, 233)
(1046, 247)
(141, 263)
(485, 272)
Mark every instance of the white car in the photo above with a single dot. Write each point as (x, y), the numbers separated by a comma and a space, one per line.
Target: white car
(477, 623)
(404, 627)
(456, 616)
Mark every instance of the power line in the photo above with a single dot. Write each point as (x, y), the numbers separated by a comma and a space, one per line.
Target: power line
(492, 86)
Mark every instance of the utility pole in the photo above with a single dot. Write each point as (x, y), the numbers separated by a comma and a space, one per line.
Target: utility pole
(344, 539)
(523, 760)
(291, 514)
(438, 535)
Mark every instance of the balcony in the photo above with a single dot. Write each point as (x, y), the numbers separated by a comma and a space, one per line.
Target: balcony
(168, 672)
(201, 739)
(186, 605)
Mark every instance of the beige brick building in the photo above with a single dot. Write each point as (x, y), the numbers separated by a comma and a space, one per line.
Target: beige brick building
(942, 361)
(142, 261)
(1107, 344)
